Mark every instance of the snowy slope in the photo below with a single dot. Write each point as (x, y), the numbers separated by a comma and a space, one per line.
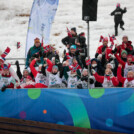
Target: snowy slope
(14, 23)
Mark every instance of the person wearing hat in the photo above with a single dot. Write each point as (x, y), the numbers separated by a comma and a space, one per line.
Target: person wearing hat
(96, 65)
(71, 54)
(55, 77)
(102, 49)
(118, 15)
(69, 40)
(35, 51)
(108, 80)
(22, 76)
(6, 80)
(28, 84)
(124, 55)
(127, 81)
(126, 45)
(83, 81)
(127, 66)
(40, 76)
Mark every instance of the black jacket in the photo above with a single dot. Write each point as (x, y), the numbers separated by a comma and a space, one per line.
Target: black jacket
(118, 14)
(69, 40)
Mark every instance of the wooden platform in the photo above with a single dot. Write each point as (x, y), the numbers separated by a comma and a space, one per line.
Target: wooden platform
(17, 126)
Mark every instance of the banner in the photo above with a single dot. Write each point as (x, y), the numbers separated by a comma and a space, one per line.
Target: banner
(40, 21)
(104, 109)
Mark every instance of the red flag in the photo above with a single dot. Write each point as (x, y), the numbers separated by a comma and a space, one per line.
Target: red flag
(88, 62)
(6, 52)
(69, 33)
(74, 67)
(42, 42)
(101, 38)
(18, 45)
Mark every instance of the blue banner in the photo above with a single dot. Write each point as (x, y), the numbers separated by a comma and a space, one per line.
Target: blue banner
(40, 21)
(104, 109)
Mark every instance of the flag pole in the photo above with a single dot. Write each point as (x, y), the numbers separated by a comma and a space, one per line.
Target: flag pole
(88, 48)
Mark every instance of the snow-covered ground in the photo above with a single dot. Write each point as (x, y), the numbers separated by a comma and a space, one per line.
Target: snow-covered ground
(14, 23)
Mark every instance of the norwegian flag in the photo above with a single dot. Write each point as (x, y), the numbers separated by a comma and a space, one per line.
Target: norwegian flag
(101, 38)
(6, 52)
(88, 62)
(74, 67)
(69, 33)
(112, 38)
(18, 45)
(42, 42)
(47, 48)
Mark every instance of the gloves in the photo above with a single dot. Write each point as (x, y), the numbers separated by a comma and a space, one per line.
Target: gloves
(79, 86)
(84, 79)
(44, 55)
(36, 56)
(17, 63)
(91, 81)
(93, 71)
(3, 88)
(111, 56)
(99, 57)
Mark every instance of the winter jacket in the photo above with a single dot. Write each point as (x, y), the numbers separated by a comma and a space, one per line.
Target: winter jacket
(121, 47)
(33, 50)
(125, 81)
(7, 80)
(126, 66)
(40, 79)
(118, 14)
(69, 40)
(100, 50)
(107, 81)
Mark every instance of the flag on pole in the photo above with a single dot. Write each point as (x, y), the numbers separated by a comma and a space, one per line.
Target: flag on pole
(6, 52)
(101, 38)
(40, 21)
(18, 45)
(69, 32)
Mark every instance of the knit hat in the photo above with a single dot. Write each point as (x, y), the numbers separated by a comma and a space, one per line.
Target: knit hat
(5, 66)
(73, 29)
(125, 36)
(25, 70)
(118, 5)
(105, 39)
(36, 40)
(73, 47)
(130, 56)
(55, 67)
(124, 51)
(110, 65)
(29, 77)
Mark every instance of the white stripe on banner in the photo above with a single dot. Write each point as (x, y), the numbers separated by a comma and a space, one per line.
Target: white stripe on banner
(40, 21)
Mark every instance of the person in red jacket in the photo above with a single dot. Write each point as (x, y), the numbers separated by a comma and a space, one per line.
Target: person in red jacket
(6, 80)
(108, 80)
(41, 78)
(28, 84)
(101, 49)
(127, 66)
(126, 45)
(127, 82)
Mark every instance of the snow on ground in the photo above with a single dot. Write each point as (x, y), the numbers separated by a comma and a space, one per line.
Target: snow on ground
(14, 23)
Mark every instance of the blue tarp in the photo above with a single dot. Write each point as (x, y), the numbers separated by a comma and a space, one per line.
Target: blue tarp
(104, 109)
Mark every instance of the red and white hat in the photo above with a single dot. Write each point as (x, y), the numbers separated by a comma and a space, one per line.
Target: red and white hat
(105, 39)
(29, 77)
(118, 5)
